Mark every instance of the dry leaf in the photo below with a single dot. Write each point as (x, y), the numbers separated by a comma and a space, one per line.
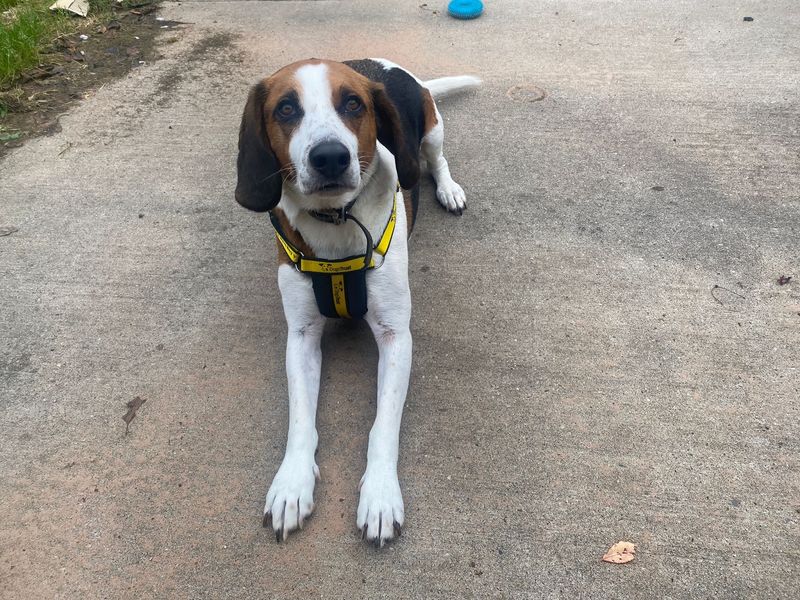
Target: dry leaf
(620, 553)
(133, 406)
(79, 7)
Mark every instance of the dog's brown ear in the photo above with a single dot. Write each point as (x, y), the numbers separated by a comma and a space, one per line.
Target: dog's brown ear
(258, 184)
(391, 135)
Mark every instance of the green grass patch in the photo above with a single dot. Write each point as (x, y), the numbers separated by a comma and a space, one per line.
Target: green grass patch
(31, 36)
(28, 27)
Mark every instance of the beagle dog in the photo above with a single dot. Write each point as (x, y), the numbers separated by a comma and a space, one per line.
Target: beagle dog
(333, 151)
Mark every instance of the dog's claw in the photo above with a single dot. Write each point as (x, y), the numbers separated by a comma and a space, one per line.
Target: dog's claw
(398, 530)
(299, 515)
(267, 518)
(363, 532)
(278, 536)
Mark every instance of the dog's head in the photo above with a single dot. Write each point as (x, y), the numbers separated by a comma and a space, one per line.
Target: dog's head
(314, 126)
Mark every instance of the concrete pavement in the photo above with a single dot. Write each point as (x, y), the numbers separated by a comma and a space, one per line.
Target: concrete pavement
(602, 349)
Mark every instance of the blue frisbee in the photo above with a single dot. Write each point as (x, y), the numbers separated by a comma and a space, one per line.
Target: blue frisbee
(465, 9)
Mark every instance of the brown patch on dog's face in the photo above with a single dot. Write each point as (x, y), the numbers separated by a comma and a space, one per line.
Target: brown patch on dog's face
(284, 93)
(352, 96)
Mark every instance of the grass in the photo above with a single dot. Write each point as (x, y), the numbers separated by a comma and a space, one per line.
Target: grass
(28, 30)
(28, 27)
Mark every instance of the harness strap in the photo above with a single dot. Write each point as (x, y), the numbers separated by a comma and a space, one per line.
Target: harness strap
(340, 286)
(343, 265)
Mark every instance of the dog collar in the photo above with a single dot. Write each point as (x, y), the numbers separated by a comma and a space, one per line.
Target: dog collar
(340, 285)
(335, 216)
(310, 264)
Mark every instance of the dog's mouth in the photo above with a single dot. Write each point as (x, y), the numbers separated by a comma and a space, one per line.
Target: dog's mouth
(334, 188)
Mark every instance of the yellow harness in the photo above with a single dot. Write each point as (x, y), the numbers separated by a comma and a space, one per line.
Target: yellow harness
(340, 286)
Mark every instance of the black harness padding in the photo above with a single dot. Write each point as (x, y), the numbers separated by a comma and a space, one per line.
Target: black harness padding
(353, 290)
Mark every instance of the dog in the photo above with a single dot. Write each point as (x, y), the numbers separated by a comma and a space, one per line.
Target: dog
(332, 150)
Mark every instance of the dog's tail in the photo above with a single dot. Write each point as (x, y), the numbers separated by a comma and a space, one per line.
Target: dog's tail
(447, 86)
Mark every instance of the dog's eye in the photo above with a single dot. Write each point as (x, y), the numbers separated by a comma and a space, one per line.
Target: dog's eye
(353, 104)
(286, 109)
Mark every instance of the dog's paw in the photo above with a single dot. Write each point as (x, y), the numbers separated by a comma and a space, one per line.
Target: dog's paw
(380, 507)
(290, 499)
(451, 196)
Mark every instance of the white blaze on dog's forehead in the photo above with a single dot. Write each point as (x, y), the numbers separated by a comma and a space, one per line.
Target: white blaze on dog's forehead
(315, 87)
(320, 122)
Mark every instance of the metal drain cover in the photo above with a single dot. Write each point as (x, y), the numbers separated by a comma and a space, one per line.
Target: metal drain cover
(526, 93)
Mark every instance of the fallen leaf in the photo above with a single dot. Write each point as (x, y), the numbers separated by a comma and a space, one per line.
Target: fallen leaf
(79, 7)
(620, 553)
(784, 279)
(133, 406)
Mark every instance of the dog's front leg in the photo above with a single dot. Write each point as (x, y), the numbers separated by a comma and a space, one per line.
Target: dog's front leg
(380, 508)
(290, 499)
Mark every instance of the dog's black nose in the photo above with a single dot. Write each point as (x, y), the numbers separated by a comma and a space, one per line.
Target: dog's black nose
(329, 159)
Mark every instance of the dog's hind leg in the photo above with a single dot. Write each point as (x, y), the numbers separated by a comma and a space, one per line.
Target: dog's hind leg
(448, 192)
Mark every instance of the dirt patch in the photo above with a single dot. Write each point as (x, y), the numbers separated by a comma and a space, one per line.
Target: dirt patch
(73, 67)
(214, 52)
